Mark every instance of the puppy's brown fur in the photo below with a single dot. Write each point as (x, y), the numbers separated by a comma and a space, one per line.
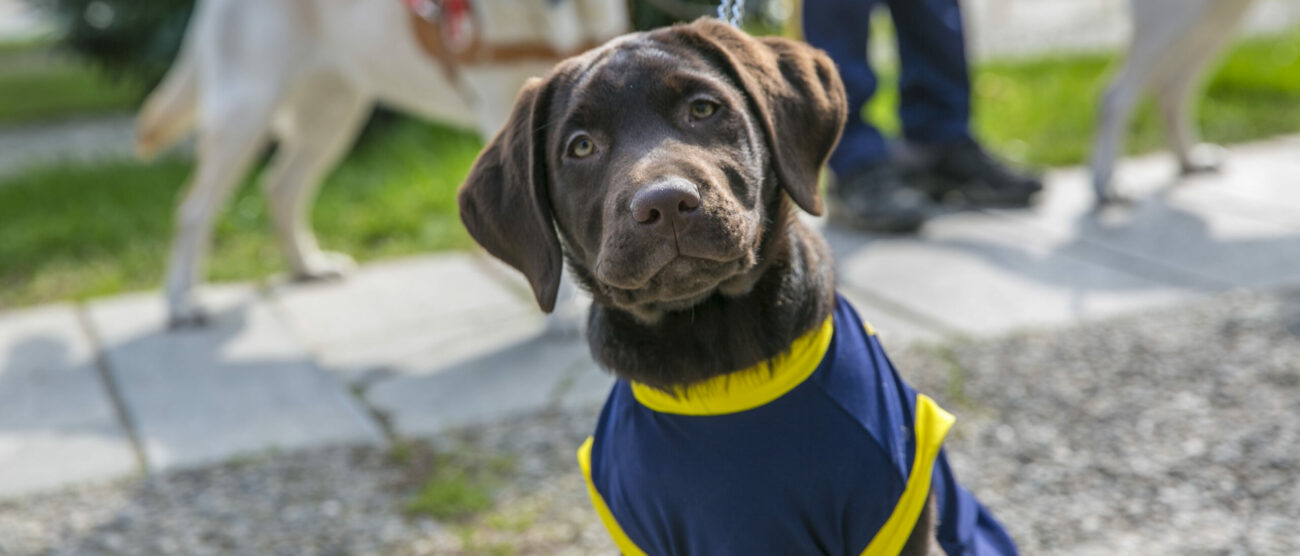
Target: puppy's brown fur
(745, 122)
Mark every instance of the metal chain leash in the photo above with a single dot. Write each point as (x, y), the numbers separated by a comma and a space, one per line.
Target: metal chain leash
(737, 9)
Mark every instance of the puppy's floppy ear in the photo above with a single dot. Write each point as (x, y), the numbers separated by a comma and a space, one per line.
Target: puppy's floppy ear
(795, 92)
(504, 202)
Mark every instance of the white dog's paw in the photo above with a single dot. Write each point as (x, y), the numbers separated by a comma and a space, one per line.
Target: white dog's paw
(326, 265)
(1202, 158)
(1103, 189)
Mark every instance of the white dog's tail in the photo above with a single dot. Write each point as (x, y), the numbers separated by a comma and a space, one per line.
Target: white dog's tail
(169, 112)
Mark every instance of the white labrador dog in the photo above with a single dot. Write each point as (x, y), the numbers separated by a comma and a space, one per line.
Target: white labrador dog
(1173, 42)
(305, 73)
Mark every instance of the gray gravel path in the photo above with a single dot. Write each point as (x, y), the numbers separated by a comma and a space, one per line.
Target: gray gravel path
(1167, 433)
(1170, 433)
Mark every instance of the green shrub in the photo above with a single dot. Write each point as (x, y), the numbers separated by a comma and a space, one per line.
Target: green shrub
(131, 39)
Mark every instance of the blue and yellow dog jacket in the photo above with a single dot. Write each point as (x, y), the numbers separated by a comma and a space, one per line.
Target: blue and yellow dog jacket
(823, 450)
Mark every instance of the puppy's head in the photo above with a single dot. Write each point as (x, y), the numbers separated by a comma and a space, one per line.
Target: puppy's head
(660, 157)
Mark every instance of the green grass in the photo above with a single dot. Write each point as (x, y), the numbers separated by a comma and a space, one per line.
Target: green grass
(86, 230)
(468, 489)
(10, 46)
(37, 83)
(1042, 111)
(460, 485)
(452, 494)
(76, 231)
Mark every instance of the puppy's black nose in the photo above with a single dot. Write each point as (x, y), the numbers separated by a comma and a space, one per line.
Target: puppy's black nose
(665, 206)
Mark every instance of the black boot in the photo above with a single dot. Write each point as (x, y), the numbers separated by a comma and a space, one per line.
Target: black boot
(876, 200)
(965, 173)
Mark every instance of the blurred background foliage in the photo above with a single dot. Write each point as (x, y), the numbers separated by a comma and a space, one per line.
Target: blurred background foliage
(129, 39)
(39, 83)
(137, 39)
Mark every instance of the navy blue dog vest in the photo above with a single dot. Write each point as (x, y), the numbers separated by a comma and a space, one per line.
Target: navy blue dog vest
(822, 450)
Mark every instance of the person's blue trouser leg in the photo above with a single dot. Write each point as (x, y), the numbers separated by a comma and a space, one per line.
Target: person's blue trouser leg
(934, 83)
(841, 27)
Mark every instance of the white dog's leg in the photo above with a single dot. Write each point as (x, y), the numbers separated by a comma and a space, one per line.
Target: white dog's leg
(1117, 105)
(1176, 101)
(246, 53)
(320, 127)
(1155, 31)
(228, 143)
(1177, 92)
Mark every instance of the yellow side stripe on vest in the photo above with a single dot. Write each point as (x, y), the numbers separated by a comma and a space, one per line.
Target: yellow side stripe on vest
(932, 425)
(623, 543)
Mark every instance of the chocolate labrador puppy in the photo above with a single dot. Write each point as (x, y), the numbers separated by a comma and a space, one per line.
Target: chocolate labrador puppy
(755, 414)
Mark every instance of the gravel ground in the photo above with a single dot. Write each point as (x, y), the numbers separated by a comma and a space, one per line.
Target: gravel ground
(1168, 433)
(333, 501)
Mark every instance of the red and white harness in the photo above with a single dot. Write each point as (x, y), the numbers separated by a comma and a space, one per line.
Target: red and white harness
(455, 19)
(450, 32)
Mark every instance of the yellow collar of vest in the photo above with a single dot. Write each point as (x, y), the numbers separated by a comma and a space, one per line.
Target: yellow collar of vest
(747, 388)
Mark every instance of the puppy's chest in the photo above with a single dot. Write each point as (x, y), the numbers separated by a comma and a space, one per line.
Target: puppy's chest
(801, 456)
(823, 466)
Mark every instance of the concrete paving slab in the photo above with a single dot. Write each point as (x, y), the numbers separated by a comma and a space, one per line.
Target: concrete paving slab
(396, 310)
(896, 326)
(1262, 180)
(241, 384)
(57, 421)
(76, 141)
(586, 386)
(506, 275)
(448, 348)
(424, 348)
(979, 275)
(1233, 229)
(512, 379)
(571, 304)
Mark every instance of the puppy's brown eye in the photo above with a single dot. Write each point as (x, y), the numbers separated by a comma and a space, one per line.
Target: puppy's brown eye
(581, 147)
(702, 109)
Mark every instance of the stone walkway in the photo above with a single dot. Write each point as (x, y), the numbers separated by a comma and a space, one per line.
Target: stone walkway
(415, 346)
(73, 141)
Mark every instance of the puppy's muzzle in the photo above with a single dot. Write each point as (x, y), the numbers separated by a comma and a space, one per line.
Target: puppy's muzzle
(666, 208)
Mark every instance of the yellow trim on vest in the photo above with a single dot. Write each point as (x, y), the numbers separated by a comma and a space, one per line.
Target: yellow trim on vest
(871, 330)
(932, 424)
(747, 388)
(623, 543)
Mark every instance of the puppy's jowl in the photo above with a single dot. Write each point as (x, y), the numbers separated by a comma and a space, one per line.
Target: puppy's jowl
(754, 413)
